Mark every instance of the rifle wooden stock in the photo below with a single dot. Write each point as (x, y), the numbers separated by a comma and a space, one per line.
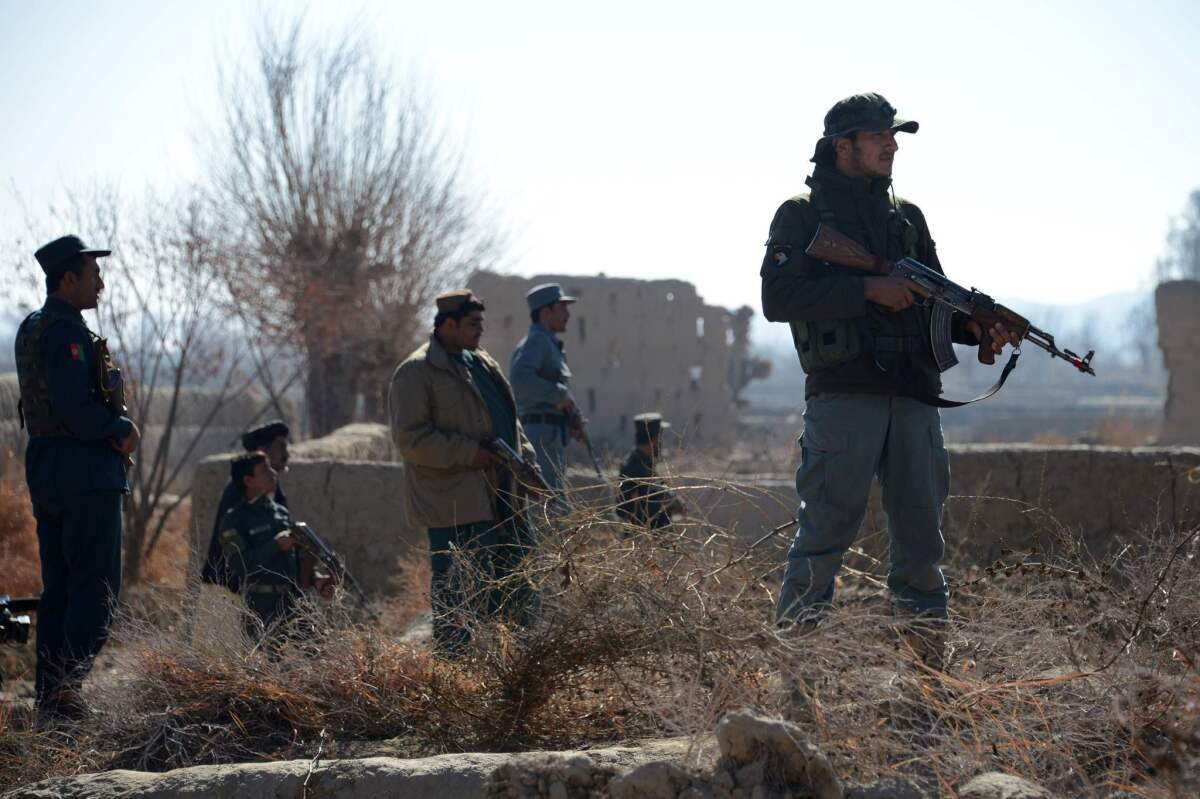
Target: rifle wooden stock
(838, 248)
(998, 314)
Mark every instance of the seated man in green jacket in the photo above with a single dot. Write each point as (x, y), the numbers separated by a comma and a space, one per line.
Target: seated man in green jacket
(259, 550)
(447, 402)
(272, 439)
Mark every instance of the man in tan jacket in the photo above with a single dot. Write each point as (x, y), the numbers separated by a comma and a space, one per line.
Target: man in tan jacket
(447, 401)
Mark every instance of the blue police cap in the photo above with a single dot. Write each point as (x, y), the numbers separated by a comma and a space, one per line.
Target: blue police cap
(542, 295)
(647, 426)
(58, 251)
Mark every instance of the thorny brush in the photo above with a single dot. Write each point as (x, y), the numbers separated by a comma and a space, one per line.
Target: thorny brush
(1077, 672)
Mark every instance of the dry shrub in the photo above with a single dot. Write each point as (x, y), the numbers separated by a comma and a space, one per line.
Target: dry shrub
(1116, 431)
(1077, 673)
(408, 599)
(167, 563)
(20, 569)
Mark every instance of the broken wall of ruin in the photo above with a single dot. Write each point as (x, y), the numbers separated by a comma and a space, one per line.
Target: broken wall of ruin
(635, 346)
(1177, 303)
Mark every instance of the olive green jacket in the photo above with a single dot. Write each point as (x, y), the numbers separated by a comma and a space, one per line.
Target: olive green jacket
(438, 422)
(797, 288)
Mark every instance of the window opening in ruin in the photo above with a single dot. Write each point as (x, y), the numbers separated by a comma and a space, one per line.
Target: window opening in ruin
(729, 337)
(591, 400)
(670, 296)
(582, 329)
(699, 327)
(612, 299)
(696, 423)
(695, 373)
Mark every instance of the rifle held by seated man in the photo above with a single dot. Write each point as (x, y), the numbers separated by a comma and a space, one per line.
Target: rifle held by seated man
(310, 542)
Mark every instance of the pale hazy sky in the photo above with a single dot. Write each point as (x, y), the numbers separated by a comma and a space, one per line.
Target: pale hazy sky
(656, 139)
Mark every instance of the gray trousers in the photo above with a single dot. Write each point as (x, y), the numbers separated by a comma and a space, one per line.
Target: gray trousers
(547, 440)
(849, 439)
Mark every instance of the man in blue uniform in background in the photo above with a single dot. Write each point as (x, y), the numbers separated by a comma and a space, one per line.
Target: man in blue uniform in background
(272, 439)
(75, 467)
(541, 380)
(645, 502)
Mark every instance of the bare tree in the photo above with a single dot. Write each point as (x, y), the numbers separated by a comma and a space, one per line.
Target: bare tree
(181, 357)
(343, 209)
(1181, 261)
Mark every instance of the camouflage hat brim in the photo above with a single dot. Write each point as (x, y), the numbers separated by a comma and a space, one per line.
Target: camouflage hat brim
(897, 126)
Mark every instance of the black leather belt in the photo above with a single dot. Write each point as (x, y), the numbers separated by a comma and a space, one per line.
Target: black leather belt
(544, 418)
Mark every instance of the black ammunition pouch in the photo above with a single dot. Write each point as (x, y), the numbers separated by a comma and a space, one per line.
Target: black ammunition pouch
(33, 408)
(833, 342)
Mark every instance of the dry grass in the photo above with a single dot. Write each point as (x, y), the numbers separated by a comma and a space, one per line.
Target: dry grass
(21, 569)
(1078, 673)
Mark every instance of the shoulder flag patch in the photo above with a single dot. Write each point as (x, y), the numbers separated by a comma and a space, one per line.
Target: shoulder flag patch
(76, 353)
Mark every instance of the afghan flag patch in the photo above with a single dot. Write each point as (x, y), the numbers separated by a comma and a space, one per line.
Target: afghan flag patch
(76, 353)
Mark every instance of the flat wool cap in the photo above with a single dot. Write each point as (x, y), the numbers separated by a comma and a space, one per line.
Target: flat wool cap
(451, 301)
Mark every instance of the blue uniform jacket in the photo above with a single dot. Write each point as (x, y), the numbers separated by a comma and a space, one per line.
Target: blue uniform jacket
(248, 539)
(215, 570)
(539, 373)
(57, 468)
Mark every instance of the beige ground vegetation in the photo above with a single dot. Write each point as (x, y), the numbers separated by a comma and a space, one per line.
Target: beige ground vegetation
(1078, 671)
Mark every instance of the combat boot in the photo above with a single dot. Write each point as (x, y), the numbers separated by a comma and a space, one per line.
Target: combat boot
(64, 706)
(926, 639)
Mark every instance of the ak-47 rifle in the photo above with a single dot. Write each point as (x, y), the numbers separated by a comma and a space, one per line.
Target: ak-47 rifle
(577, 422)
(947, 297)
(110, 383)
(310, 542)
(525, 472)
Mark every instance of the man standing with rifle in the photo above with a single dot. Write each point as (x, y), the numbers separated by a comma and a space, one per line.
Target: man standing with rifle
(79, 444)
(448, 405)
(865, 347)
(541, 381)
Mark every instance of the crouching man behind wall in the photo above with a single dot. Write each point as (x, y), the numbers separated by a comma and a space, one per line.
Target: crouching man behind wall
(446, 402)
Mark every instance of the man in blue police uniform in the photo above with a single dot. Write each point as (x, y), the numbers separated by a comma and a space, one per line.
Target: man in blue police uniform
(541, 380)
(259, 550)
(645, 502)
(75, 467)
(272, 439)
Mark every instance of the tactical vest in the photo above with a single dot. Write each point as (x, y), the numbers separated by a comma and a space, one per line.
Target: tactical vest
(34, 406)
(833, 342)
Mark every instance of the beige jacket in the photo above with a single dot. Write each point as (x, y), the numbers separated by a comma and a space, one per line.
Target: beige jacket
(438, 420)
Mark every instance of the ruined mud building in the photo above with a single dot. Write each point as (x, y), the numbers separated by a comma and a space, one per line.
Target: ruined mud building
(635, 346)
(1176, 303)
